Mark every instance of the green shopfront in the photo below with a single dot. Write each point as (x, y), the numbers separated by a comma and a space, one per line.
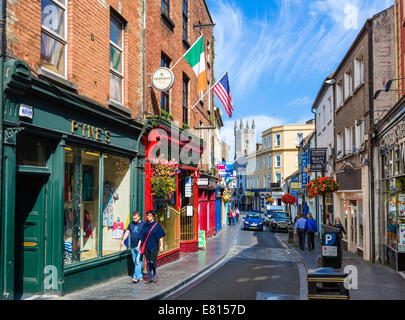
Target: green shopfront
(73, 171)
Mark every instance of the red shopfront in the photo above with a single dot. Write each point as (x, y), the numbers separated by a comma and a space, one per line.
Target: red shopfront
(179, 218)
(206, 203)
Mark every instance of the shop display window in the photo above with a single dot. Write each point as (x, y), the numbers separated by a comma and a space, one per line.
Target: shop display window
(395, 206)
(81, 204)
(116, 202)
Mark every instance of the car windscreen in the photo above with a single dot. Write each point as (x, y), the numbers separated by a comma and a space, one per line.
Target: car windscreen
(281, 215)
(253, 216)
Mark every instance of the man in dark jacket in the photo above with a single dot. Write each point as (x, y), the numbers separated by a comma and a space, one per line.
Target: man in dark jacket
(311, 229)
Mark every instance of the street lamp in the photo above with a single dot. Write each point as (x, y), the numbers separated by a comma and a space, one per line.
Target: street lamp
(330, 82)
(388, 87)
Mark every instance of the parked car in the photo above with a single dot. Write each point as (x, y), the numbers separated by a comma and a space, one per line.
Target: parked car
(253, 221)
(269, 213)
(279, 221)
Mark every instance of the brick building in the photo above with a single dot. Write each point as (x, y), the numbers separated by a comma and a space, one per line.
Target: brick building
(366, 67)
(72, 163)
(172, 27)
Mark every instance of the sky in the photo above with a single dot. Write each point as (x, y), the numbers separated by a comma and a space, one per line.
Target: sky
(278, 52)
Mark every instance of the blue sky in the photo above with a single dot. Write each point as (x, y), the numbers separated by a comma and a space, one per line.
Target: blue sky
(278, 52)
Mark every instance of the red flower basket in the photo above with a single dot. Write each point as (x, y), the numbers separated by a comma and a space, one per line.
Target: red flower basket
(321, 185)
(288, 199)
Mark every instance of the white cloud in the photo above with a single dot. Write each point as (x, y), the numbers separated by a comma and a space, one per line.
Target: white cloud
(300, 102)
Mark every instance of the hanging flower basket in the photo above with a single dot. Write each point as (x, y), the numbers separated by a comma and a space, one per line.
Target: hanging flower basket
(163, 180)
(321, 186)
(288, 199)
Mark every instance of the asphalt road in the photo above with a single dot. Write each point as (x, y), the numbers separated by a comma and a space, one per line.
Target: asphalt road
(259, 268)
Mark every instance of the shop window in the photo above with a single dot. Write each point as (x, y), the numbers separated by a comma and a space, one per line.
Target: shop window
(81, 204)
(31, 151)
(395, 205)
(116, 201)
(53, 35)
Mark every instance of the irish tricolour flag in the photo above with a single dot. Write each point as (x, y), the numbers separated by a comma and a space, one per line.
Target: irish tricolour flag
(196, 58)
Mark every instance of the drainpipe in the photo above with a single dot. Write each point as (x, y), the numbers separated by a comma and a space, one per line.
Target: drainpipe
(142, 111)
(2, 54)
(370, 151)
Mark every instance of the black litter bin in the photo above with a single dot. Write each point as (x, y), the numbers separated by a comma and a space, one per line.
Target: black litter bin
(327, 284)
(331, 247)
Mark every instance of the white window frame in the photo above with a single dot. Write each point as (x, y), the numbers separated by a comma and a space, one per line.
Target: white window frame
(348, 141)
(269, 180)
(299, 141)
(339, 93)
(348, 83)
(63, 40)
(278, 161)
(270, 163)
(277, 175)
(115, 72)
(269, 141)
(264, 162)
(339, 145)
(358, 70)
(277, 142)
(264, 181)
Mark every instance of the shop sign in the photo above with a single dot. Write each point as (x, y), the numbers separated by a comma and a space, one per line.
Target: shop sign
(394, 135)
(90, 131)
(188, 185)
(190, 211)
(26, 111)
(202, 182)
(162, 79)
(295, 185)
(317, 159)
(201, 239)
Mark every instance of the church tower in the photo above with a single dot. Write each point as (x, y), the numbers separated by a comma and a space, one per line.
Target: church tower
(245, 139)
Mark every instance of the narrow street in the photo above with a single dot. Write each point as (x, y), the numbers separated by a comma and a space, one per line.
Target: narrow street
(259, 267)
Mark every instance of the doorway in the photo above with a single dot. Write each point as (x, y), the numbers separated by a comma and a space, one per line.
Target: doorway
(30, 212)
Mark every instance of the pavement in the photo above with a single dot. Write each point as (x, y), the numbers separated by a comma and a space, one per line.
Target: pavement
(375, 281)
(171, 277)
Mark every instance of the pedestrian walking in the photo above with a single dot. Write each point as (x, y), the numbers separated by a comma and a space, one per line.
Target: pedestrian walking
(339, 225)
(152, 235)
(300, 228)
(229, 217)
(311, 230)
(237, 214)
(234, 217)
(135, 229)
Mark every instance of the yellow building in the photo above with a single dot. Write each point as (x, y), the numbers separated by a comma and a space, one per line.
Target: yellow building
(276, 158)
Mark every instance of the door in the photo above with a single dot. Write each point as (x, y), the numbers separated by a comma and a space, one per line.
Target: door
(30, 233)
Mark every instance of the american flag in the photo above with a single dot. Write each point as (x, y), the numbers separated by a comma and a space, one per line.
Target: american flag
(223, 93)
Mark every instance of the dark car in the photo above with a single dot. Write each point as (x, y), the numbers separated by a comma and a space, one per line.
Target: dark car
(279, 221)
(253, 221)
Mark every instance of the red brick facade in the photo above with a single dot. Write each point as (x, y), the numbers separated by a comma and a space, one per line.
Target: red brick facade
(161, 38)
(88, 43)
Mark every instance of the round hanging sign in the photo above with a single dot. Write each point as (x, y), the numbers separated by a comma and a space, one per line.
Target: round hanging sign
(162, 79)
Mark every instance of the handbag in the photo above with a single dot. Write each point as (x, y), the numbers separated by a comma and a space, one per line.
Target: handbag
(144, 243)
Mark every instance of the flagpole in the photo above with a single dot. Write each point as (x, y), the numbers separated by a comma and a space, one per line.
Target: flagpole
(208, 91)
(185, 53)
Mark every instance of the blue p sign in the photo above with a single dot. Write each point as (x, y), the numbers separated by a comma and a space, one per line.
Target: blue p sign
(330, 239)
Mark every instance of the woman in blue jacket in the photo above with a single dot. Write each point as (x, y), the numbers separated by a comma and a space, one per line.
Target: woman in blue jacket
(311, 229)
